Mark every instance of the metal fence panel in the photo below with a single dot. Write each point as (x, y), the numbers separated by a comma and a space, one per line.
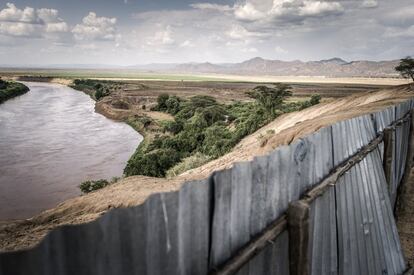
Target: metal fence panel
(323, 235)
(351, 135)
(384, 118)
(368, 241)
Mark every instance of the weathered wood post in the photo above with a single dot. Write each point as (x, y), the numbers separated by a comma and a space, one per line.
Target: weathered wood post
(402, 189)
(298, 226)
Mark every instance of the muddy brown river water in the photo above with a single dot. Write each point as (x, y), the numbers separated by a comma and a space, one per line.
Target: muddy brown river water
(51, 140)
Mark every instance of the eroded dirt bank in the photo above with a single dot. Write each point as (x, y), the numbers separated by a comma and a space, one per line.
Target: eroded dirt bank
(134, 190)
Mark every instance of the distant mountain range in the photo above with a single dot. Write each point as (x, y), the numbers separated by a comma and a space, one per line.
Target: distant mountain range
(334, 67)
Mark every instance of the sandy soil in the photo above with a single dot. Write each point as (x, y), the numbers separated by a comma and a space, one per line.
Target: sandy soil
(134, 190)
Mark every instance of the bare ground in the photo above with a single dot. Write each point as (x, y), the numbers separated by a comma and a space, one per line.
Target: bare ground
(134, 190)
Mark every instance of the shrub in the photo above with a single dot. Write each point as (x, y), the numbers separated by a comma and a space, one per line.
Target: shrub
(172, 105)
(152, 164)
(174, 127)
(188, 163)
(315, 99)
(161, 102)
(218, 141)
(92, 185)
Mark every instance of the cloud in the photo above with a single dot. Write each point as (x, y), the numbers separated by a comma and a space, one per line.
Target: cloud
(187, 44)
(287, 10)
(211, 6)
(161, 38)
(280, 50)
(95, 28)
(30, 22)
(240, 32)
(319, 8)
(369, 4)
(248, 12)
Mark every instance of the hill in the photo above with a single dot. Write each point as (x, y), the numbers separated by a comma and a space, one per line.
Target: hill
(334, 67)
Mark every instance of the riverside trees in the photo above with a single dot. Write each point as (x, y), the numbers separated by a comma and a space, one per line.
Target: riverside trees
(406, 68)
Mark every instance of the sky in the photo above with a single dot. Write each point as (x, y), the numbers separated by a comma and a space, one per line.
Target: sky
(129, 32)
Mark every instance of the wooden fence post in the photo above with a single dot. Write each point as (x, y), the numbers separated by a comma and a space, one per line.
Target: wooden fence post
(388, 152)
(298, 226)
(402, 189)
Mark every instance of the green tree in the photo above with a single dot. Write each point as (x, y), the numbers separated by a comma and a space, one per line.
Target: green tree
(315, 99)
(271, 98)
(406, 68)
(161, 102)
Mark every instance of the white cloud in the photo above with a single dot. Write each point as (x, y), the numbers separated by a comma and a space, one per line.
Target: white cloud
(187, 44)
(249, 50)
(248, 12)
(30, 22)
(369, 4)
(211, 6)
(319, 8)
(280, 50)
(95, 28)
(240, 32)
(286, 10)
(160, 38)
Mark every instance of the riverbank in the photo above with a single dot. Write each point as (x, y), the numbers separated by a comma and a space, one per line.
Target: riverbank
(11, 89)
(51, 140)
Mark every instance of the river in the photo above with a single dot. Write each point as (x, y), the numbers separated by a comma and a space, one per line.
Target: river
(51, 140)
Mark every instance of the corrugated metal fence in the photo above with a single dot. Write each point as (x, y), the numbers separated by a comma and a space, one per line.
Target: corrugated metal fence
(349, 228)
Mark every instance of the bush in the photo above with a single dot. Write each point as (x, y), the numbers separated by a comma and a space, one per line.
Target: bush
(11, 89)
(152, 164)
(92, 185)
(188, 163)
(174, 127)
(172, 105)
(161, 102)
(315, 99)
(218, 141)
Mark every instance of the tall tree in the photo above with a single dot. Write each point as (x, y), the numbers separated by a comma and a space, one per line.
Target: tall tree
(271, 98)
(406, 68)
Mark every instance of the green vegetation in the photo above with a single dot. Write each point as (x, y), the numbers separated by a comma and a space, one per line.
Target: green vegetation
(11, 89)
(97, 89)
(189, 163)
(92, 185)
(204, 129)
(406, 68)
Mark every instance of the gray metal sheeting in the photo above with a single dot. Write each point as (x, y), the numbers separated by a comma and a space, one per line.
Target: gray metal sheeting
(273, 260)
(251, 195)
(323, 234)
(168, 234)
(368, 240)
(400, 141)
(384, 118)
(351, 135)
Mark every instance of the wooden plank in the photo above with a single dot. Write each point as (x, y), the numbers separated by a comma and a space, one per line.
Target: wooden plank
(253, 247)
(298, 221)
